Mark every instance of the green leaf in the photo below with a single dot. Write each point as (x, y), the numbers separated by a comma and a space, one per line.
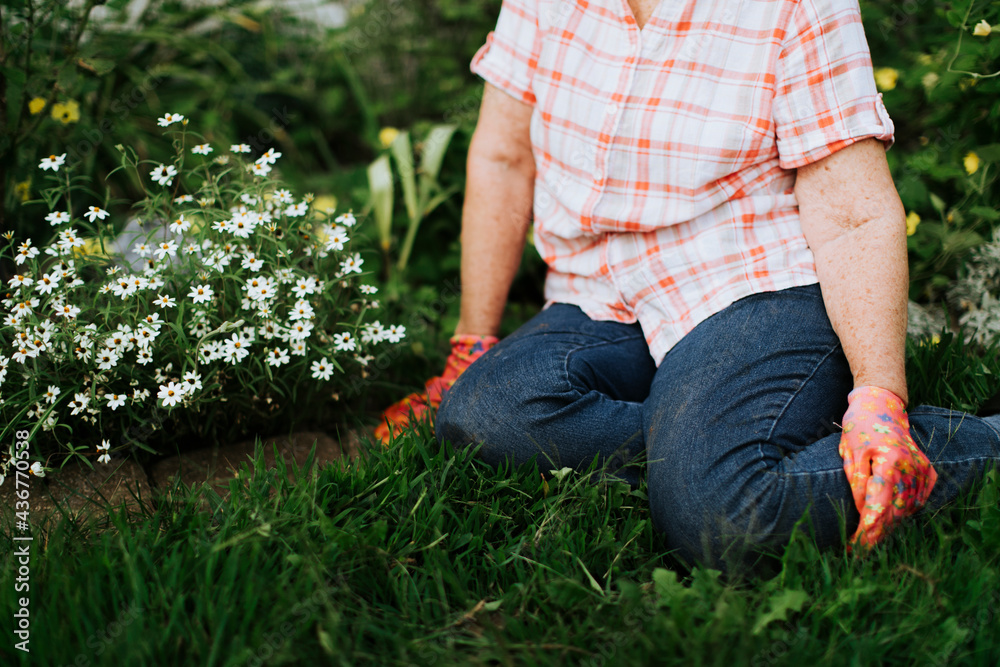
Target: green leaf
(937, 203)
(380, 187)
(96, 66)
(986, 213)
(989, 152)
(780, 604)
(402, 152)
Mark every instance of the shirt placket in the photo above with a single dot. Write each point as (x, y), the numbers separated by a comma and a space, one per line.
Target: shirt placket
(614, 111)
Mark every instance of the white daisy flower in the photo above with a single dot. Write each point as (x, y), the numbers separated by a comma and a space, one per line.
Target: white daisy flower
(48, 282)
(344, 342)
(277, 356)
(202, 149)
(304, 287)
(270, 157)
(184, 199)
(373, 333)
(169, 119)
(25, 252)
(164, 301)
(346, 219)
(168, 248)
(180, 225)
(192, 381)
(322, 369)
(164, 174)
(20, 280)
(395, 333)
(283, 196)
(36, 469)
(236, 349)
(144, 356)
(57, 217)
(297, 210)
(299, 348)
(302, 310)
(258, 169)
(336, 239)
(240, 148)
(170, 393)
(252, 262)
(352, 263)
(201, 294)
(79, 402)
(368, 289)
(115, 401)
(95, 213)
(68, 311)
(53, 162)
(107, 359)
(52, 393)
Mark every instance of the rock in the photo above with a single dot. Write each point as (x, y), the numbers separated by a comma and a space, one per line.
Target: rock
(218, 465)
(82, 492)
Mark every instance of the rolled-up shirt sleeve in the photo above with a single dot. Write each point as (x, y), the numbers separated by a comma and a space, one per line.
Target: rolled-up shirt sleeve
(509, 57)
(825, 94)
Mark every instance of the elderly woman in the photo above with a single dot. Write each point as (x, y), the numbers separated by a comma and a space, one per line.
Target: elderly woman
(727, 273)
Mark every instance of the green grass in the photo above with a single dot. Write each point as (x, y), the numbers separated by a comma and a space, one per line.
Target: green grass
(422, 555)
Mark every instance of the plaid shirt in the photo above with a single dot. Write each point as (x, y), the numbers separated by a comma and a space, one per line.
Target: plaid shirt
(665, 157)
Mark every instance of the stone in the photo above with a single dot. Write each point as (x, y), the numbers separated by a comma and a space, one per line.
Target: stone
(216, 466)
(81, 492)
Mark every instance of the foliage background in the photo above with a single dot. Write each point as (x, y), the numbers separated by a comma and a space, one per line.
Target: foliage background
(256, 73)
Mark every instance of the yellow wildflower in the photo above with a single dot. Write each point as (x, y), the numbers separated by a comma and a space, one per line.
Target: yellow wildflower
(387, 136)
(935, 339)
(982, 29)
(324, 204)
(22, 190)
(36, 105)
(66, 112)
(912, 220)
(89, 247)
(971, 163)
(886, 77)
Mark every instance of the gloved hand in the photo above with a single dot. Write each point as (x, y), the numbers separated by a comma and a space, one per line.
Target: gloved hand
(889, 475)
(464, 350)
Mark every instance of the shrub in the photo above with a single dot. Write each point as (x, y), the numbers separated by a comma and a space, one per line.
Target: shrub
(238, 308)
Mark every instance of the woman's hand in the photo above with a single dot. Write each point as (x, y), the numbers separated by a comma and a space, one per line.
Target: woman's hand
(420, 405)
(889, 475)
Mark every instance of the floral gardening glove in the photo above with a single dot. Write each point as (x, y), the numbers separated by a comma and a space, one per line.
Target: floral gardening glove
(464, 350)
(889, 475)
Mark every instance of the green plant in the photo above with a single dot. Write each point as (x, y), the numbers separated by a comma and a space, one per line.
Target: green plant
(234, 296)
(420, 196)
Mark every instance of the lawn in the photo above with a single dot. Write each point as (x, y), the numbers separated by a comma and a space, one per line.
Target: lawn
(422, 555)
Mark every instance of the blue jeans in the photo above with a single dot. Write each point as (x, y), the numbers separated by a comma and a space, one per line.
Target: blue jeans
(738, 426)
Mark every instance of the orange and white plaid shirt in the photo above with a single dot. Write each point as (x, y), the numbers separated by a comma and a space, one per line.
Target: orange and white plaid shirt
(665, 157)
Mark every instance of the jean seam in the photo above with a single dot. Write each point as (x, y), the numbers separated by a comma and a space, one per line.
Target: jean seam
(587, 347)
(777, 418)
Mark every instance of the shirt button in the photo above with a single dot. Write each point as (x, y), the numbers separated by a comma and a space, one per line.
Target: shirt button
(611, 109)
(598, 174)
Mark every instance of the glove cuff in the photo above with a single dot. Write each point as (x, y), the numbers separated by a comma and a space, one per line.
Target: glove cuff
(471, 344)
(892, 401)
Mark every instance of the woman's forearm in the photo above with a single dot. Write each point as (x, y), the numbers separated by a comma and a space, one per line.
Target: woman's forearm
(495, 219)
(864, 276)
(499, 190)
